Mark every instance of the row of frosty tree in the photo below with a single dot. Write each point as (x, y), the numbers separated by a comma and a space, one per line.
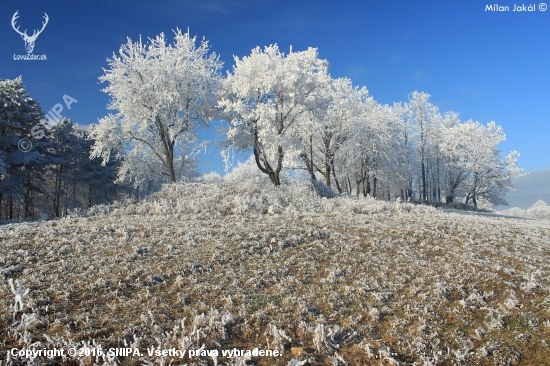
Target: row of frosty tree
(290, 113)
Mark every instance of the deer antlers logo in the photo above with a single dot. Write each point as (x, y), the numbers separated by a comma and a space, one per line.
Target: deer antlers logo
(29, 40)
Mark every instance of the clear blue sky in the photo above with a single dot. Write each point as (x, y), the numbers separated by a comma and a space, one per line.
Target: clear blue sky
(484, 65)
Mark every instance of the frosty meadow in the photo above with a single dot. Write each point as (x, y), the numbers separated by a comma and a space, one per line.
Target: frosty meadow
(243, 265)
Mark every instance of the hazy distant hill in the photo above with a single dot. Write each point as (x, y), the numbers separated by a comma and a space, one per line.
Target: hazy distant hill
(529, 190)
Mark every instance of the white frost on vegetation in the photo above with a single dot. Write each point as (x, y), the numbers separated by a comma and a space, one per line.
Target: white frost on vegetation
(539, 210)
(217, 266)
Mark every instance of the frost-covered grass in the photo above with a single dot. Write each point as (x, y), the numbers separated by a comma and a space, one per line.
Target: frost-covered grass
(350, 281)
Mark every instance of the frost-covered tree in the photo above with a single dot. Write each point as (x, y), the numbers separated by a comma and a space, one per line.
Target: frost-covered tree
(368, 153)
(265, 98)
(51, 174)
(454, 171)
(422, 116)
(163, 93)
(74, 181)
(97, 182)
(476, 152)
(405, 152)
(145, 175)
(22, 171)
(333, 123)
(65, 164)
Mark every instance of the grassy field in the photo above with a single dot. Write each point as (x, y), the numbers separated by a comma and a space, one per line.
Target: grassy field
(337, 281)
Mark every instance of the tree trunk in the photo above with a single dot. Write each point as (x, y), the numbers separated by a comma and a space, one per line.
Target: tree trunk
(336, 179)
(74, 184)
(309, 166)
(277, 171)
(309, 159)
(171, 169)
(424, 193)
(327, 173)
(274, 177)
(10, 207)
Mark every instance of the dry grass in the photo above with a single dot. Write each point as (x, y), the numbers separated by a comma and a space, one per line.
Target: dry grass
(352, 281)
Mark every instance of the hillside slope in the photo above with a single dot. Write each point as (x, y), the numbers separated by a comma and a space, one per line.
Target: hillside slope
(324, 281)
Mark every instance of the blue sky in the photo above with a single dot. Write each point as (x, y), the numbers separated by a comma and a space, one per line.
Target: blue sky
(484, 65)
